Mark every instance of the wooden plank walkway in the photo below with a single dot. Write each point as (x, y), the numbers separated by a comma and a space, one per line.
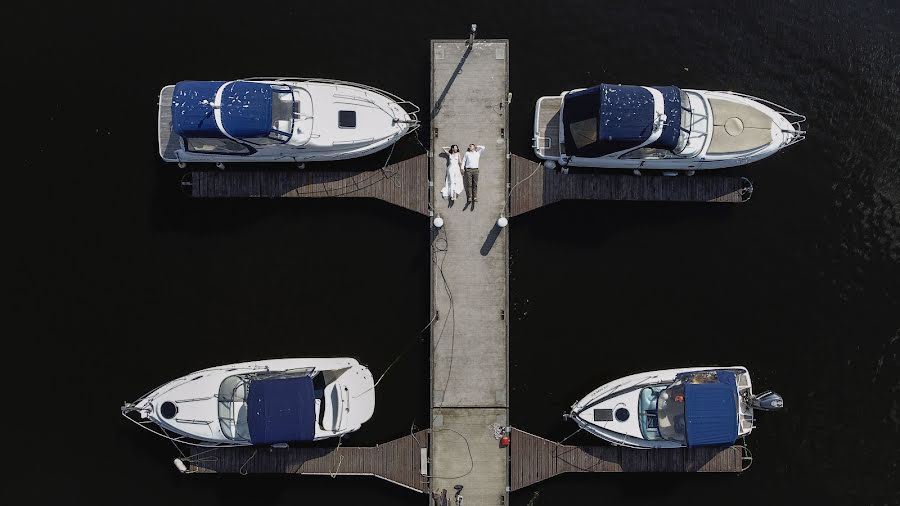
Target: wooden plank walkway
(469, 359)
(404, 184)
(536, 459)
(534, 187)
(399, 461)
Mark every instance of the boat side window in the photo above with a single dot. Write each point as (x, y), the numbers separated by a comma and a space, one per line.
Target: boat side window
(215, 145)
(648, 154)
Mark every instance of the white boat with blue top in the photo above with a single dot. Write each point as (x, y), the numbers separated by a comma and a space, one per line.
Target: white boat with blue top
(278, 120)
(662, 127)
(267, 402)
(674, 408)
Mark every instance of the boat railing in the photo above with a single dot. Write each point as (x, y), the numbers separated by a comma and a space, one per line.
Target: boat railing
(795, 118)
(411, 109)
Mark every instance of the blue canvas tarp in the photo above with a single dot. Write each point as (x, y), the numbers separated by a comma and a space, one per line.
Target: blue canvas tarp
(610, 118)
(246, 109)
(281, 410)
(711, 411)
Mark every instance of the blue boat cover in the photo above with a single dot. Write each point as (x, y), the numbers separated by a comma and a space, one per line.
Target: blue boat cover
(246, 109)
(710, 411)
(281, 410)
(610, 118)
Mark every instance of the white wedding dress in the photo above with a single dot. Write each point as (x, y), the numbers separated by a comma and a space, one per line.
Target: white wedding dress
(453, 185)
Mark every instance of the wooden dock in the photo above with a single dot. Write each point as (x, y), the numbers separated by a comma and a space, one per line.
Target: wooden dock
(399, 461)
(534, 186)
(404, 184)
(469, 360)
(536, 459)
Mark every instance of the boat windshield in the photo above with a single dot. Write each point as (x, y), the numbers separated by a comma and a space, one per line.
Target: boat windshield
(233, 408)
(670, 410)
(283, 108)
(687, 122)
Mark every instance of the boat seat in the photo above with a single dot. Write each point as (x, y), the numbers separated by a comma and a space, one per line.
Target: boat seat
(738, 127)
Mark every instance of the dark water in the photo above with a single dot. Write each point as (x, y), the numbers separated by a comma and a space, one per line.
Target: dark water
(127, 283)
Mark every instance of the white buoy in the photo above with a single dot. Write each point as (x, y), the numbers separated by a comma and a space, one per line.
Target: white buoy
(549, 164)
(438, 222)
(502, 222)
(180, 465)
(181, 165)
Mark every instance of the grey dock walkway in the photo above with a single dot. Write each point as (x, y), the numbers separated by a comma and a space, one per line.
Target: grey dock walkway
(469, 343)
(536, 188)
(536, 459)
(399, 461)
(404, 184)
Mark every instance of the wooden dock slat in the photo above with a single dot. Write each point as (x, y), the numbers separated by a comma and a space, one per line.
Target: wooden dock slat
(403, 184)
(396, 461)
(535, 459)
(546, 187)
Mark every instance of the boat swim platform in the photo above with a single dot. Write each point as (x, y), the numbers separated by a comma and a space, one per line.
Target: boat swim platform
(398, 461)
(534, 459)
(404, 183)
(469, 281)
(533, 186)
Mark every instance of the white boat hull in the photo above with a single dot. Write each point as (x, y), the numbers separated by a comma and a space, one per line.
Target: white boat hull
(348, 400)
(718, 137)
(381, 120)
(624, 393)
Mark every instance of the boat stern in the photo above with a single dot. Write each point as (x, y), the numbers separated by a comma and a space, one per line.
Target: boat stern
(546, 141)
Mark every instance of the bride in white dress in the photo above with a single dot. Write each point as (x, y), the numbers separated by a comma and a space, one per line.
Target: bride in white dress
(453, 185)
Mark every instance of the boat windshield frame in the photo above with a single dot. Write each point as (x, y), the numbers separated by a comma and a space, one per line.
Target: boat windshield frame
(669, 408)
(277, 136)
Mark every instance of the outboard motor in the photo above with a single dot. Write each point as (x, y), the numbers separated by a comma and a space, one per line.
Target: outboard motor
(767, 401)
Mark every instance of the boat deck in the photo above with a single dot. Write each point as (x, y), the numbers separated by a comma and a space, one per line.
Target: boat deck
(168, 141)
(398, 461)
(546, 142)
(534, 186)
(738, 128)
(536, 459)
(404, 184)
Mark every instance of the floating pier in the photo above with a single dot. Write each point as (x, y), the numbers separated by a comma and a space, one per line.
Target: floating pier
(401, 461)
(533, 186)
(469, 295)
(404, 184)
(536, 459)
(469, 386)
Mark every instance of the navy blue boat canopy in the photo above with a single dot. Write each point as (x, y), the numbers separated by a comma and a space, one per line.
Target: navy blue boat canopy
(281, 410)
(609, 118)
(711, 411)
(246, 109)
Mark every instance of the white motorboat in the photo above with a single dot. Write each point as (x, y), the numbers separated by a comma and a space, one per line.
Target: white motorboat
(260, 403)
(278, 120)
(662, 127)
(674, 408)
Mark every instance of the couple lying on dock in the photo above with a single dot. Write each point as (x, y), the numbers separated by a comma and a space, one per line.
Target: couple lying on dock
(455, 184)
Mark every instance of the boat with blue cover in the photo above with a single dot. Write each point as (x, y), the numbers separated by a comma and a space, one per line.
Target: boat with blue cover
(662, 127)
(674, 408)
(267, 402)
(278, 120)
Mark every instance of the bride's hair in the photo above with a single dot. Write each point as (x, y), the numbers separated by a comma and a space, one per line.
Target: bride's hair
(454, 148)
